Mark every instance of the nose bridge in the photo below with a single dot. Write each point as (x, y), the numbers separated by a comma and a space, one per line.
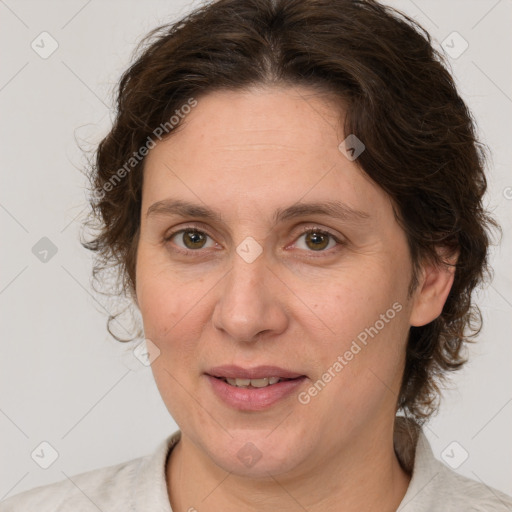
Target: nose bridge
(247, 304)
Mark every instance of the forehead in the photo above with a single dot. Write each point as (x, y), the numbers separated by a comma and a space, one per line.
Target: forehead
(263, 120)
(258, 147)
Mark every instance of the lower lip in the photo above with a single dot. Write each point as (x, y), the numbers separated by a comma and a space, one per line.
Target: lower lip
(254, 399)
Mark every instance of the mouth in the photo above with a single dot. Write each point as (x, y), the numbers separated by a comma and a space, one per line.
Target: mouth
(257, 377)
(253, 383)
(253, 389)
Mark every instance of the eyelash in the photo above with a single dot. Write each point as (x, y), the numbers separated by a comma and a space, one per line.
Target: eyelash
(305, 230)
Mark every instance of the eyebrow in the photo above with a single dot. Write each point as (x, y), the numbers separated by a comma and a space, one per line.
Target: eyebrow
(334, 209)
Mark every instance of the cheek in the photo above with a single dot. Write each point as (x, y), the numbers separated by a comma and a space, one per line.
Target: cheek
(170, 309)
(353, 300)
(362, 350)
(171, 314)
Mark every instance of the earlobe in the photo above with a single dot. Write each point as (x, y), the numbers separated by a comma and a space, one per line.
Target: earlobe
(434, 286)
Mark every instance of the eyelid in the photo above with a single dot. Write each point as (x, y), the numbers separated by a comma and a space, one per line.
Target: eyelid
(318, 229)
(340, 241)
(195, 226)
(191, 227)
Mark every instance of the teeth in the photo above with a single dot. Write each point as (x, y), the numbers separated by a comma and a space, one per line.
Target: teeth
(255, 383)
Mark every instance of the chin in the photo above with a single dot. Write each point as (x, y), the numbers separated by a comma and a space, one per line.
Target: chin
(257, 454)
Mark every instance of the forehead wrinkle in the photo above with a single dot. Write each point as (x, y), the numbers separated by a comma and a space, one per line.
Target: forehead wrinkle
(259, 146)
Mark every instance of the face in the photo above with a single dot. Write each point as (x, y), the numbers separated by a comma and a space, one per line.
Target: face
(235, 266)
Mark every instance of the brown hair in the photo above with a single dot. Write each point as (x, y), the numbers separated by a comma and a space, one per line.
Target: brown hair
(400, 100)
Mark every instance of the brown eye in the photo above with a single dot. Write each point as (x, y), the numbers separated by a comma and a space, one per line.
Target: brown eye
(193, 239)
(189, 239)
(316, 240)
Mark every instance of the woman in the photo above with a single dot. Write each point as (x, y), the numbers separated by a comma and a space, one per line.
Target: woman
(292, 193)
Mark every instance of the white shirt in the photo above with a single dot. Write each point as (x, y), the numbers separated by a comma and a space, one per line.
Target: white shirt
(139, 485)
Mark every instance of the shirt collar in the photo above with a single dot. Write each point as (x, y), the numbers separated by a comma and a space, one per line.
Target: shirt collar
(150, 482)
(415, 455)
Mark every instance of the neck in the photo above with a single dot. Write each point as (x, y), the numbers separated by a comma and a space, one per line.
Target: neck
(364, 475)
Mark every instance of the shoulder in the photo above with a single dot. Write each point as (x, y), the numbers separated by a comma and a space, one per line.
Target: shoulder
(435, 486)
(137, 484)
(106, 488)
(456, 491)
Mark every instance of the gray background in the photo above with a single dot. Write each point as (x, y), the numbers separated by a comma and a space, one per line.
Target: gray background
(63, 379)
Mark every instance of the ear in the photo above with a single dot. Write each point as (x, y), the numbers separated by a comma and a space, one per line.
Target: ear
(434, 285)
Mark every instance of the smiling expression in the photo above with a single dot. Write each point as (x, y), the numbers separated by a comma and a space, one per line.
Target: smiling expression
(262, 244)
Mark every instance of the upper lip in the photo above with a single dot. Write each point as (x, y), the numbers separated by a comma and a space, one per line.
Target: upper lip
(257, 372)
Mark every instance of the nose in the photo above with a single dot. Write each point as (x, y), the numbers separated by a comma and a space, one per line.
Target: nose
(250, 303)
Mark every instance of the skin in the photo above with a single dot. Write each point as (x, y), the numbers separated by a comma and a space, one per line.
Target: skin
(246, 154)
